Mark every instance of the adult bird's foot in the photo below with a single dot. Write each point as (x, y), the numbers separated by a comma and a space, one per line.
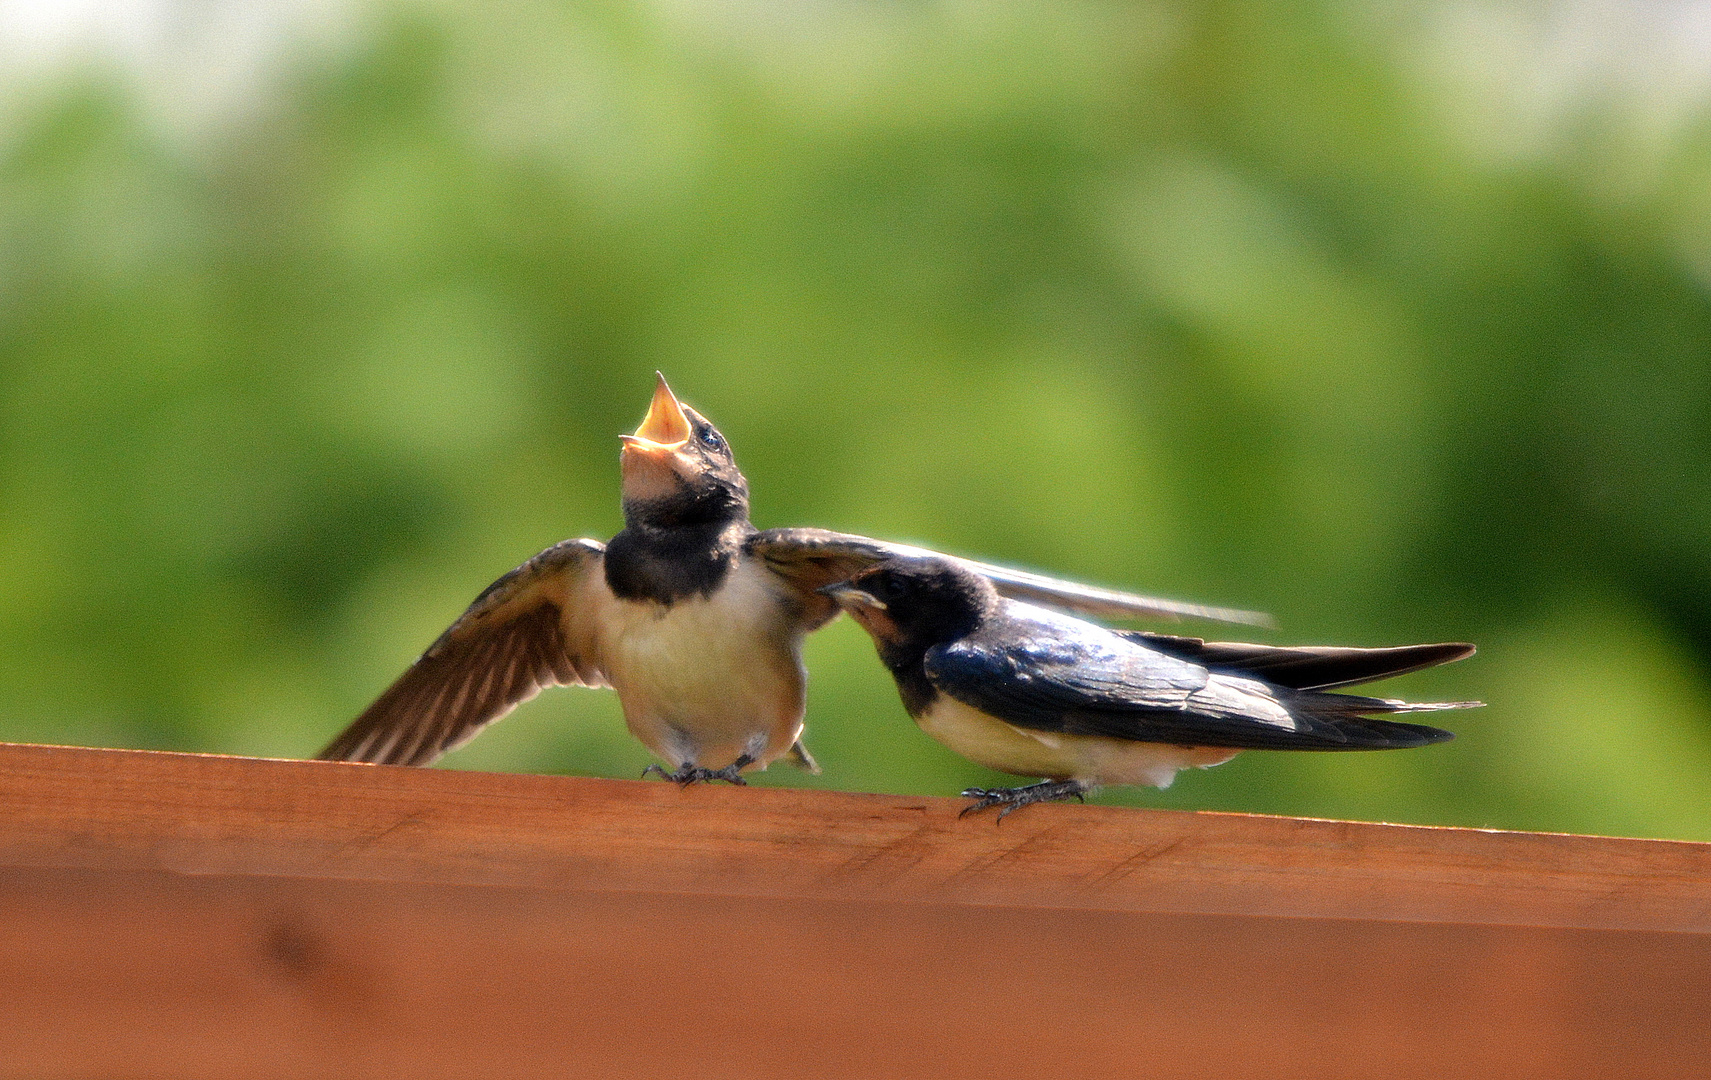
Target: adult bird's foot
(1014, 798)
(694, 774)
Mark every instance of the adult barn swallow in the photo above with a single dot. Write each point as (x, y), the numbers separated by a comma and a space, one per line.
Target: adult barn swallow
(1033, 692)
(690, 613)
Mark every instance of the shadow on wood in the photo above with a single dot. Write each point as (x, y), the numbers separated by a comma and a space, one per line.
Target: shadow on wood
(192, 916)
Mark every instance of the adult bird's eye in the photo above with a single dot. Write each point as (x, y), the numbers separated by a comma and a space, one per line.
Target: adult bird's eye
(887, 587)
(711, 439)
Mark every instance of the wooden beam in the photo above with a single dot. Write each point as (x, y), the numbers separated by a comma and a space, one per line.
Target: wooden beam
(205, 814)
(198, 916)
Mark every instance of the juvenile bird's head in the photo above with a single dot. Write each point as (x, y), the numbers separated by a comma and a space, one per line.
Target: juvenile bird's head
(911, 603)
(678, 469)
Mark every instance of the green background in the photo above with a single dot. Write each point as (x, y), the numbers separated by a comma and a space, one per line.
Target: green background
(1345, 312)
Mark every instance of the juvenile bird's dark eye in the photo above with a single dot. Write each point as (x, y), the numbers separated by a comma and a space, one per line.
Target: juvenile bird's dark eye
(711, 439)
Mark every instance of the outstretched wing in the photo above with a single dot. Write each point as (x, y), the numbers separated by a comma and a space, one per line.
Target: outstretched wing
(811, 558)
(1037, 670)
(531, 629)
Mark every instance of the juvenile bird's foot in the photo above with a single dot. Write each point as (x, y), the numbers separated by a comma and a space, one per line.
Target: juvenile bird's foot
(694, 774)
(1014, 798)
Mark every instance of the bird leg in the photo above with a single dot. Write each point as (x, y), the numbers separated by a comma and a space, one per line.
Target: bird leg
(687, 774)
(1013, 799)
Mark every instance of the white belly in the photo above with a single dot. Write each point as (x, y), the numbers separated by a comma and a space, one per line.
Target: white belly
(1096, 759)
(704, 681)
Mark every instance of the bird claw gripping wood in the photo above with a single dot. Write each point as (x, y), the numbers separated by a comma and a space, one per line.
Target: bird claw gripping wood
(1013, 799)
(694, 774)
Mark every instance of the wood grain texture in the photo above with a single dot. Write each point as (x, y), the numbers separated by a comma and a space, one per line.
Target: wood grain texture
(169, 915)
(203, 814)
(138, 974)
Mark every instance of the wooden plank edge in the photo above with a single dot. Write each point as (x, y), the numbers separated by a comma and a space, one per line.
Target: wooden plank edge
(213, 814)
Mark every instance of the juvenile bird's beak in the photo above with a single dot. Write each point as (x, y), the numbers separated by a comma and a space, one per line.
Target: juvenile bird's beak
(665, 428)
(850, 598)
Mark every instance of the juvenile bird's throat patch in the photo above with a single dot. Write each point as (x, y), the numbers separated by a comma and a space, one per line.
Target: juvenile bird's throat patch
(653, 475)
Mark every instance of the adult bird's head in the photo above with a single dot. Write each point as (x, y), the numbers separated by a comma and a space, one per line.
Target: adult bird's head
(914, 602)
(678, 469)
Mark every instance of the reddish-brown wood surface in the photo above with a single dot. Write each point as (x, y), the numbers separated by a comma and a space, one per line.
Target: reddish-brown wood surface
(187, 916)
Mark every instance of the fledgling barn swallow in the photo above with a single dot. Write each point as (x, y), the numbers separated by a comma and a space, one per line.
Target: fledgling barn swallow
(695, 618)
(1033, 692)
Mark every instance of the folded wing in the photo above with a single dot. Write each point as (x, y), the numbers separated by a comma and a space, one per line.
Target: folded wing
(1061, 676)
(1312, 667)
(812, 558)
(531, 629)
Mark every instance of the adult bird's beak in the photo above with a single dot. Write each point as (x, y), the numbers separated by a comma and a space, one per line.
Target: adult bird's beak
(850, 598)
(665, 428)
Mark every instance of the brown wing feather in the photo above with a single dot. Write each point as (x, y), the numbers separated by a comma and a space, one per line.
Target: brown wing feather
(812, 558)
(525, 632)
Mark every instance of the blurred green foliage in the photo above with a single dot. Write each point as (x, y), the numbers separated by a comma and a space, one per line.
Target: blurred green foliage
(1215, 300)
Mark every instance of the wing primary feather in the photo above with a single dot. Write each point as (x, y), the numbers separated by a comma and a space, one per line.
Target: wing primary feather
(812, 558)
(1108, 603)
(1304, 668)
(508, 645)
(460, 682)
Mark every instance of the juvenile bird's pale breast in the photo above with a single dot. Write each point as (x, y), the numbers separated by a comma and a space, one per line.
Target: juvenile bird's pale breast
(1021, 751)
(704, 680)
